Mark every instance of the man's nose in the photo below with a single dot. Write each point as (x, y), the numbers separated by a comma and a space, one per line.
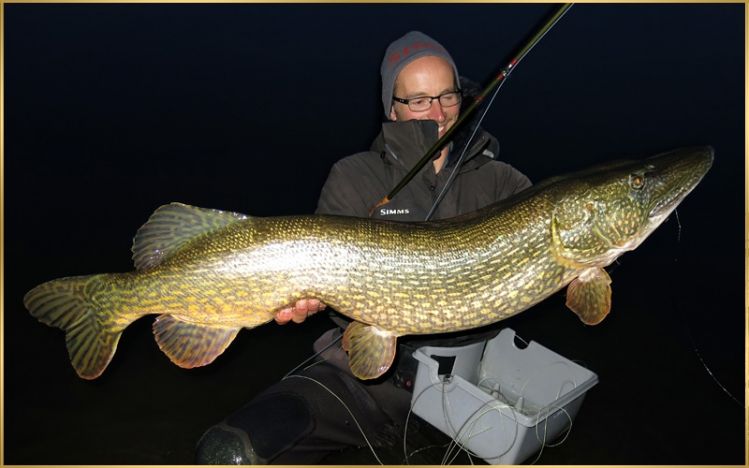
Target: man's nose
(435, 111)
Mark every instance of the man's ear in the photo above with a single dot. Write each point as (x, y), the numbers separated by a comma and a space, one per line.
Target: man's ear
(393, 117)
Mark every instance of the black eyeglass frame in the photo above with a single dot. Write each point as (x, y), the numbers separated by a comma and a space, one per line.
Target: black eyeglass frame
(407, 102)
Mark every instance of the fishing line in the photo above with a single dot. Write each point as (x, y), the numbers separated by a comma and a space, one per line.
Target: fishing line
(289, 375)
(427, 448)
(522, 340)
(546, 425)
(445, 411)
(710, 373)
(366, 439)
(446, 405)
(561, 388)
(707, 369)
(406, 455)
(466, 433)
(695, 348)
(549, 410)
(312, 357)
(520, 406)
(546, 412)
(405, 424)
(463, 116)
(457, 164)
(566, 435)
(460, 438)
(504, 74)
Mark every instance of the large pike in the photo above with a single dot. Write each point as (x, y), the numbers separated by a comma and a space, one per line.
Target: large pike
(209, 273)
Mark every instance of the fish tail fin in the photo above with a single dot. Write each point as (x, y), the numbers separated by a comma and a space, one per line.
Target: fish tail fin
(84, 307)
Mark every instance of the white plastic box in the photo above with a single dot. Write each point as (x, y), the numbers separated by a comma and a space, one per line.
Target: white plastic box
(499, 401)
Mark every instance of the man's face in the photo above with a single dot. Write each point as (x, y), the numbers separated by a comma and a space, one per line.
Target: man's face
(426, 76)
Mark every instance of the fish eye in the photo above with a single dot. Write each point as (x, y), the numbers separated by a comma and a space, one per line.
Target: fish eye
(636, 181)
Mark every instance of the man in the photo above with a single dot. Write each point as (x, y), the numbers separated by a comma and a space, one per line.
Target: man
(324, 408)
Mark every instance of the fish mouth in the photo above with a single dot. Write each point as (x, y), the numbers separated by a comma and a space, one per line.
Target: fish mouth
(678, 173)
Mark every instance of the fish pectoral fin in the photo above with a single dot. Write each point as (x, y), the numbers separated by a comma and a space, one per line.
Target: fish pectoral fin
(589, 295)
(189, 345)
(371, 350)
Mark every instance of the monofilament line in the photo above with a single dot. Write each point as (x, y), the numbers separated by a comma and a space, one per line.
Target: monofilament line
(366, 439)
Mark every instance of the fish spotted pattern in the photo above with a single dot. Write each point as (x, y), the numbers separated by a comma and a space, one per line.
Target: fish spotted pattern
(209, 273)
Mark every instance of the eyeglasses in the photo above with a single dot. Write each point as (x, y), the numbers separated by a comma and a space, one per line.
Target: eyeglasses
(422, 103)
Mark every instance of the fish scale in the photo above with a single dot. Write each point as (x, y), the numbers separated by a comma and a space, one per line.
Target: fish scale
(209, 273)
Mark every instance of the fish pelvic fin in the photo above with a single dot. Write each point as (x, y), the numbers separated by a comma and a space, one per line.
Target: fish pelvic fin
(589, 295)
(190, 345)
(82, 306)
(172, 226)
(371, 350)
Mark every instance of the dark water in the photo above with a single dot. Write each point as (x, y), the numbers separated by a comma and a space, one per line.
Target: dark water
(111, 111)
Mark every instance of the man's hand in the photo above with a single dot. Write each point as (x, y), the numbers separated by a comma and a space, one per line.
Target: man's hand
(301, 310)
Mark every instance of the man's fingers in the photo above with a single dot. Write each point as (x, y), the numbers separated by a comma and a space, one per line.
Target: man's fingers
(299, 317)
(299, 313)
(303, 308)
(284, 315)
(314, 305)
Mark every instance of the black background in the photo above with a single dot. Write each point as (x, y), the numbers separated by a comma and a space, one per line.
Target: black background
(113, 110)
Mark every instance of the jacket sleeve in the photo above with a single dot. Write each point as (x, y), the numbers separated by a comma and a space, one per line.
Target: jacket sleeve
(517, 181)
(339, 195)
(510, 181)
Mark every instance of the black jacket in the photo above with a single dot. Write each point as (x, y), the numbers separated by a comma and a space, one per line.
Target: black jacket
(357, 182)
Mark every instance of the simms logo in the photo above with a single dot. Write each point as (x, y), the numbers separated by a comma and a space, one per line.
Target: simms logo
(390, 211)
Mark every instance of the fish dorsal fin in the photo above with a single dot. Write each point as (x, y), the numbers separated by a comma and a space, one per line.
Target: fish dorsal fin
(173, 225)
(189, 345)
(371, 350)
(589, 295)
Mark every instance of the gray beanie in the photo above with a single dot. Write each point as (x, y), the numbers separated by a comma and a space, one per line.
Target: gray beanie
(403, 51)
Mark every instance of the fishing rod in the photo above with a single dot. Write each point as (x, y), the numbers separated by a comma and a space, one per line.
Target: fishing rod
(492, 86)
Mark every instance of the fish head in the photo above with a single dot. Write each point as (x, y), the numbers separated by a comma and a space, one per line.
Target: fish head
(610, 209)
